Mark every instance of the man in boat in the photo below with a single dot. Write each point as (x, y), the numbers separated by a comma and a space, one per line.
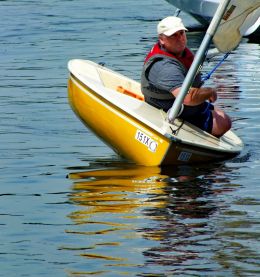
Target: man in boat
(164, 71)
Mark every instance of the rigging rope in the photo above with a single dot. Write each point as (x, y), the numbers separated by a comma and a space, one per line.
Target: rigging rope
(207, 76)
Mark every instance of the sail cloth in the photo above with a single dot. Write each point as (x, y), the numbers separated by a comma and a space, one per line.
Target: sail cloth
(238, 18)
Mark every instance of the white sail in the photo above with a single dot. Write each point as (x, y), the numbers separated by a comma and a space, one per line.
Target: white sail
(239, 17)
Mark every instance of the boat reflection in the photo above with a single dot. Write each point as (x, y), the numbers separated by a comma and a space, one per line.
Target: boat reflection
(109, 191)
(135, 216)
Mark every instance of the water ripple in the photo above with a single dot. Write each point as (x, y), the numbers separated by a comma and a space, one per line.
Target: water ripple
(110, 217)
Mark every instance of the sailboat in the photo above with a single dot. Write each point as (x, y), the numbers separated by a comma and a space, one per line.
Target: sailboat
(204, 10)
(113, 107)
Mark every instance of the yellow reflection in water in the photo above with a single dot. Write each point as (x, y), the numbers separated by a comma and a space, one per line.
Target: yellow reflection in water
(127, 217)
(111, 204)
(116, 191)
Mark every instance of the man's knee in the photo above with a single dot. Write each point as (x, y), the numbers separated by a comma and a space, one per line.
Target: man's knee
(221, 123)
(228, 122)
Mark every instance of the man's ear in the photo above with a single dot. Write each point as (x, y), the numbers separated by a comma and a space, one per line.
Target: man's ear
(161, 40)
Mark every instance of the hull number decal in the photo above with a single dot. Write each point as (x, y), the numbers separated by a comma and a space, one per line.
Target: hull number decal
(146, 140)
(184, 156)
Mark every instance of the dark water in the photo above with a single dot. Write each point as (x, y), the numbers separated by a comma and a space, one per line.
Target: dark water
(68, 205)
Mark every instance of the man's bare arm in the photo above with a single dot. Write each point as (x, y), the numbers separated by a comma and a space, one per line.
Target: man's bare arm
(197, 96)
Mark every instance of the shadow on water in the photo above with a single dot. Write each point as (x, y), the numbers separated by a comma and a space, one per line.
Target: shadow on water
(129, 218)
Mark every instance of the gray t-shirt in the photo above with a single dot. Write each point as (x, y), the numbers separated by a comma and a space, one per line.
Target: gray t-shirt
(167, 74)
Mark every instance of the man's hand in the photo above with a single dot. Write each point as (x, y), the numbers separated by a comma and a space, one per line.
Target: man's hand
(197, 96)
(213, 98)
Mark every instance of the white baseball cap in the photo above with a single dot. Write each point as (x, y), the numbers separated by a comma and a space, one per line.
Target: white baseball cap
(170, 25)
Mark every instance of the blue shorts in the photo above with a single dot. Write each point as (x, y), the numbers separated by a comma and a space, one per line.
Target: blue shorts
(200, 116)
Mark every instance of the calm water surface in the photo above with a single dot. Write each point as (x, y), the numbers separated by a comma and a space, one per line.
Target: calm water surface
(68, 205)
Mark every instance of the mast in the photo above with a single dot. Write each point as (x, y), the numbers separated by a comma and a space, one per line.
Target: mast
(198, 60)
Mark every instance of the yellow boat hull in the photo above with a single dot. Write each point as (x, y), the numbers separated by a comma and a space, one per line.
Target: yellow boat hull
(115, 127)
(129, 132)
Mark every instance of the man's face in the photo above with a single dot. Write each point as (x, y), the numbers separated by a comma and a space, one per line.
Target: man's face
(175, 43)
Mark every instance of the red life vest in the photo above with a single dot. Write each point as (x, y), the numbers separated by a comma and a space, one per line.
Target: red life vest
(186, 59)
